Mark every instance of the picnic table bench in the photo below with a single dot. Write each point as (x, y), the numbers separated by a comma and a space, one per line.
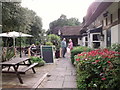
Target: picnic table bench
(15, 63)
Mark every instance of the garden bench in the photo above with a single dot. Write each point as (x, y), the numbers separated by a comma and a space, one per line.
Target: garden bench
(15, 63)
(27, 68)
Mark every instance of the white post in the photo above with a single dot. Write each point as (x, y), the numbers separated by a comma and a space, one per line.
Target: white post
(14, 42)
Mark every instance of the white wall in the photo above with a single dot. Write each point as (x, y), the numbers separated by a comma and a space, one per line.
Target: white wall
(115, 34)
(79, 42)
(90, 40)
(83, 41)
(104, 43)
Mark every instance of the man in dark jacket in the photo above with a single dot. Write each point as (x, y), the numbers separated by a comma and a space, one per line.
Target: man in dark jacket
(63, 46)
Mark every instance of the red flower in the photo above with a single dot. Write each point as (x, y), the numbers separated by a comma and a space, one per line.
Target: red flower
(103, 79)
(93, 62)
(78, 59)
(108, 61)
(79, 55)
(97, 61)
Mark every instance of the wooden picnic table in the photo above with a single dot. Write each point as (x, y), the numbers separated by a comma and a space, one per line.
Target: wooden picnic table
(15, 63)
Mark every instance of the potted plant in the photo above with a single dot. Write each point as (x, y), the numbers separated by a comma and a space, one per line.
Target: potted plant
(7, 54)
(38, 60)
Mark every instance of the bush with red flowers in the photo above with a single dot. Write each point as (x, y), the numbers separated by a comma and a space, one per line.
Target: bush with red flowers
(77, 50)
(102, 67)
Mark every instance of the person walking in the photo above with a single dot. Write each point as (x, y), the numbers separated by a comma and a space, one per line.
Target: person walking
(63, 46)
(33, 49)
(70, 44)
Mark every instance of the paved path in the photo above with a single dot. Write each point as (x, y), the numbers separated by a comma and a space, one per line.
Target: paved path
(62, 76)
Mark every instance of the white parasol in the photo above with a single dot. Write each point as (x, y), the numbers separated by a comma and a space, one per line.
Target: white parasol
(14, 35)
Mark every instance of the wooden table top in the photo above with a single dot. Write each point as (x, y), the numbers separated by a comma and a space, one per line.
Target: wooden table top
(14, 61)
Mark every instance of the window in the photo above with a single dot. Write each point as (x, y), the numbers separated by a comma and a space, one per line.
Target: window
(96, 44)
(86, 39)
(106, 21)
(119, 13)
(86, 44)
(96, 37)
(111, 18)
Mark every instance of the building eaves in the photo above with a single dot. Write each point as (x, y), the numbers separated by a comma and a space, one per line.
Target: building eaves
(101, 7)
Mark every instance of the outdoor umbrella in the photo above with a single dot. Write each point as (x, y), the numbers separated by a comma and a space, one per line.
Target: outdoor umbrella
(15, 35)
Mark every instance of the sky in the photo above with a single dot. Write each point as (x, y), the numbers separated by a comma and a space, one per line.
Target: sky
(50, 10)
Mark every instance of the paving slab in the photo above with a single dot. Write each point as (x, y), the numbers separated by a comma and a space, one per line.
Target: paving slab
(71, 84)
(52, 78)
(70, 78)
(54, 84)
(62, 76)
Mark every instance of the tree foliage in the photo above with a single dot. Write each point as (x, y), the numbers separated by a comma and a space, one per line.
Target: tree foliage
(17, 18)
(12, 17)
(63, 21)
(54, 39)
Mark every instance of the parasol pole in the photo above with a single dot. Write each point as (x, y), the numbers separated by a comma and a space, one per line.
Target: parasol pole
(20, 47)
(14, 46)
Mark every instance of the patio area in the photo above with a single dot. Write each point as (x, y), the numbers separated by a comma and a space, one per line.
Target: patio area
(30, 79)
(61, 74)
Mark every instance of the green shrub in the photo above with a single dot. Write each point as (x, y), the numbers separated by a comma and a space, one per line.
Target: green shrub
(49, 43)
(81, 76)
(38, 60)
(37, 42)
(115, 47)
(77, 50)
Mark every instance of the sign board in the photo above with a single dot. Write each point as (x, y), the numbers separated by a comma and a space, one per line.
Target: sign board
(47, 54)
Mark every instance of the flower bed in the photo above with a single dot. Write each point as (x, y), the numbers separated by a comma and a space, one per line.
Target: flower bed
(77, 50)
(99, 68)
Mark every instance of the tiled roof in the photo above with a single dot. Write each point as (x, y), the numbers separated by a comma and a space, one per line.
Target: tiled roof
(55, 30)
(70, 30)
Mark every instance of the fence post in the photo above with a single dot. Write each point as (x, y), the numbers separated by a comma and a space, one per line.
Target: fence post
(29, 54)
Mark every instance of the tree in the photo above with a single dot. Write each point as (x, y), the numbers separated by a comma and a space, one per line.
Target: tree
(17, 18)
(13, 17)
(54, 39)
(36, 29)
(73, 22)
(62, 21)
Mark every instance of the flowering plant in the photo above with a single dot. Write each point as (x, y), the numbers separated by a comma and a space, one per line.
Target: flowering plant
(77, 50)
(102, 65)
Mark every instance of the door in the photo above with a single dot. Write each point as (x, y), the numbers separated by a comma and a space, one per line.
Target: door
(108, 38)
(75, 41)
